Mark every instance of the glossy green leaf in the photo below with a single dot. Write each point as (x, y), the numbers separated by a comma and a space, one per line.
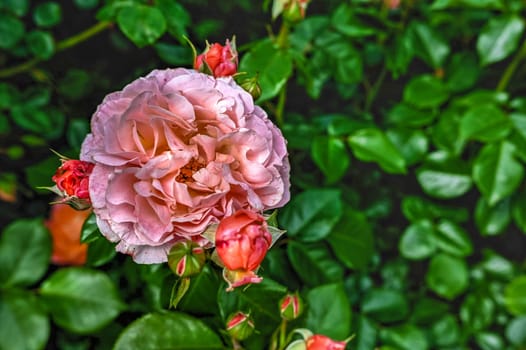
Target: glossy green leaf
(17, 7)
(514, 296)
(496, 171)
(142, 24)
(404, 337)
(462, 72)
(499, 38)
(346, 22)
(446, 132)
(86, 4)
(41, 44)
(519, 211)
(492, 220)
(365, 334)
(418, 240)
(199, 299)
(314, 263)
(489, 341)
(428, 44)
(447, 276)
(11, 31)
(177, 18)
(25, 324)
(427, 310)
(484, 4)
(416, 208)
(385, 305)
(412, 144)
(426, 91)
(169, 330)
(46, 121)
(444, 177)
(352, 240)
(453, 239)
(405, 114)
(100, 252)
(25, 252)
(65, 295)
(477, 312)
(271, 65)
(312, 214)
(372, 145)
(516, 331)
(485, 123)
(330, 155)
(47, 14)
(329, 311)
(445, 331)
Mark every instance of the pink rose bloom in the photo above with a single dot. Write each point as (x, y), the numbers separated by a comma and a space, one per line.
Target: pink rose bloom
(176, 151)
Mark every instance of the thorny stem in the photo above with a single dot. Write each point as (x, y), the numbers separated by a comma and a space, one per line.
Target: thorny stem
(510, 70)
(61, 45)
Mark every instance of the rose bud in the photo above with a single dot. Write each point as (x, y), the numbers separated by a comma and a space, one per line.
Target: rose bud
(72, 183)
(242, 241)
(251, 86)
(294, 10)
(291, 306)
(239, 326)
(186, 258)
(218, 60)
(392, 4)
(321, 342)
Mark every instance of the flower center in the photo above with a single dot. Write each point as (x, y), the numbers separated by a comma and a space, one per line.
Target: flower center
(188, 170)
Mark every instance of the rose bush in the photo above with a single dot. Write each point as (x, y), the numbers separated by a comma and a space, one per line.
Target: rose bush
(175, 152)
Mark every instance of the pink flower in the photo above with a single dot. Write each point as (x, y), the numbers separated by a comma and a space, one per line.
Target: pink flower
(218, 60)
(242, 241)
(321, 342)
(175, 152)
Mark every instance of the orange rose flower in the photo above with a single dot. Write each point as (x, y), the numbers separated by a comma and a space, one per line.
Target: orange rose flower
(65, 224)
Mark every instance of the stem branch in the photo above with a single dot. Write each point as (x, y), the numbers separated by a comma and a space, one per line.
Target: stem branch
(510, 70)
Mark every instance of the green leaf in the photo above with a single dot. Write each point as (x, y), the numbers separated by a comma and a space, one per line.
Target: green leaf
(453, 239)
(24, 323)
(173, 54)
(514, 296)
(496, 171)
(76, 132)
(372, 145)
(17, 7)
(485, 123)
(330, 156)
(177, 18)
(483, 4)
(417, 208)
(260, 300)
(329, 311)
(352, 240)
(141, 24)
(47, 14)
(445, 331)
(90, 231)
(271, 65)
(463, 72)
(418, 240)
(447, 276)
(519, 211)
(404, 337)
(312, 214)
(385, 305)
(48, 122)
(404, 114)
(477, 312)
(489, 341)
(499, 38)
(65, 293)
(446, 132)
(426, 91)
(314, 263)
(86, 4)
(444, 177)
(199, 299)
(11, 31)
(25, 252)
(365, 334)
(169, 330)
(428, 44)
(76, 84)
(345, 21)
(100, 252)
(516, 331)
(427, 310)
(492, 220)
(412, 144)
(41, 44)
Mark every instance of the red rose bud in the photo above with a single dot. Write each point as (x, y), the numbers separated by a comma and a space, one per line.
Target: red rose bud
(239, 326)
(186, 258)
(321, 342)
(218, 60)
(72, 183)
(242, 241)
(291, 306)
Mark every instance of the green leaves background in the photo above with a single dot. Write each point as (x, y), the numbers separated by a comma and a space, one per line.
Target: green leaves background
(407, 137)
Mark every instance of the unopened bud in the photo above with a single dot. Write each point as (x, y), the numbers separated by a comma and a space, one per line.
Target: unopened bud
(291, 306)
(294, 10)
(251, 86)
(186, 258)
(240, 326)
